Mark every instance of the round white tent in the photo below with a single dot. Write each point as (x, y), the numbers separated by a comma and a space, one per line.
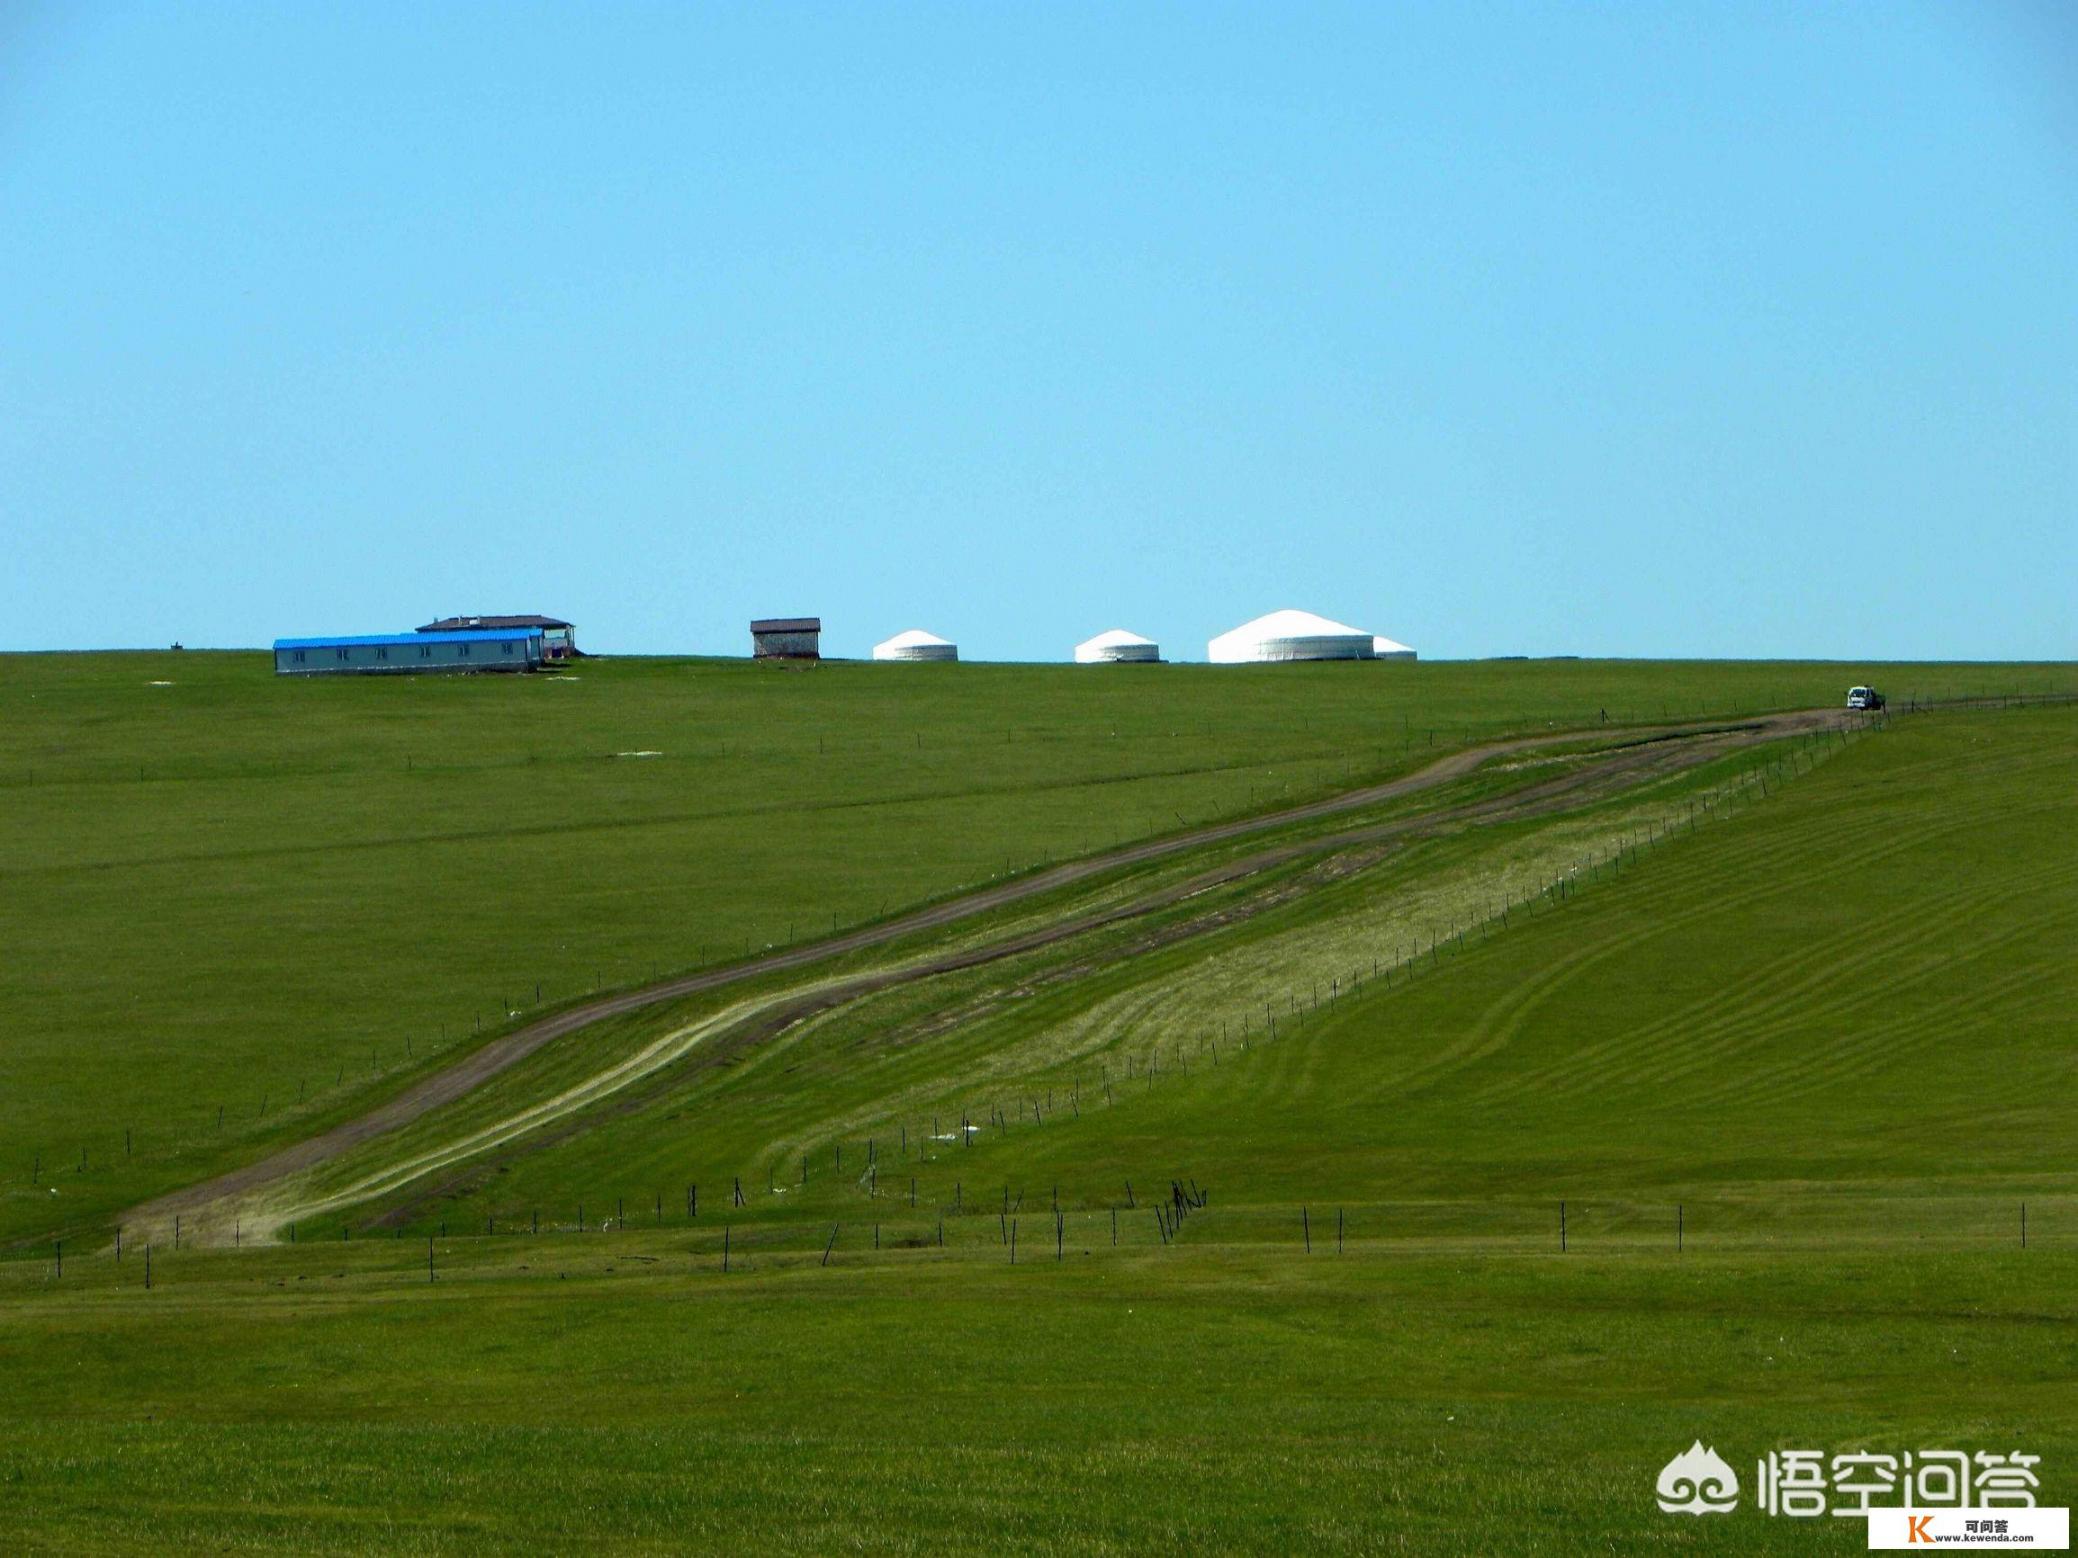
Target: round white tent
(1117, 647)
(1383, 648)
(916, 644)
(1290, 635)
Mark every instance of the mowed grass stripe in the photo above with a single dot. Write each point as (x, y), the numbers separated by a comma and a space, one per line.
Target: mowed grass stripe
(1888, 1043)
(1793, 977)
(1832, 979)
(1856, 990)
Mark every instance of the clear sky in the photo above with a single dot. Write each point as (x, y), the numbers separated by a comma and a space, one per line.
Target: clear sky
(1599, 329)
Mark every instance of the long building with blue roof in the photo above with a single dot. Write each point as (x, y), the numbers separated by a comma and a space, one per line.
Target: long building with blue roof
(479, 649)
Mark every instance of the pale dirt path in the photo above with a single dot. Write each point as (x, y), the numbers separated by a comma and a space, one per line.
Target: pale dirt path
(489, 1059)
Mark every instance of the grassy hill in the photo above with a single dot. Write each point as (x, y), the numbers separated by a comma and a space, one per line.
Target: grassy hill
(1820, 1010)
(1535, 1117)
(1790, 1019)
(238, 908)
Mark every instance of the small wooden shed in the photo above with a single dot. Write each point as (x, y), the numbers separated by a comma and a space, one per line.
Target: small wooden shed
(786, 638)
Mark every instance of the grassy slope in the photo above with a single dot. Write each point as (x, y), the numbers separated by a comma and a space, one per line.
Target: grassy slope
(1794, 1023)
(1832, 1027)
(994, 1040)
(274, 899)
(1862, 987)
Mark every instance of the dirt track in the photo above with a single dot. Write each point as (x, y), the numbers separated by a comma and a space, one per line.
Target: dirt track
(1628, 751)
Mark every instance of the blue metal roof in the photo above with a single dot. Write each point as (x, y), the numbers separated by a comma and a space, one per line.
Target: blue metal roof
(470, 636)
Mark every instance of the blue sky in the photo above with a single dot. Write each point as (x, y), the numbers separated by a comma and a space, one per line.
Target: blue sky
(1636, 330)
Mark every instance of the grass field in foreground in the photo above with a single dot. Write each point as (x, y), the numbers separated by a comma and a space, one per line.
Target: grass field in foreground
(273, 898)
(1832, 1027)
(576, 1391)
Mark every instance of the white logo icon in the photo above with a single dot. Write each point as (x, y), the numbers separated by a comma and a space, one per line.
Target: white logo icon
(1698, 1482)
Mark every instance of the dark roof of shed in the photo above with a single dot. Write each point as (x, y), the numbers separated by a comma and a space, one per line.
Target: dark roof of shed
(787, 625)
(462, 624)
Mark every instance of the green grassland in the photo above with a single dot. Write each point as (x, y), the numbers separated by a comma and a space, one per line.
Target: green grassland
(887, 1078)
(1783, 1024)
(565, 1393)
(1858, 936)
(268, 902)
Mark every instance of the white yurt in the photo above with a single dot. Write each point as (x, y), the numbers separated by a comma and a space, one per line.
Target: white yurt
(1383, 648)
(1289, 635)
(1117, 647)
(916, 644)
